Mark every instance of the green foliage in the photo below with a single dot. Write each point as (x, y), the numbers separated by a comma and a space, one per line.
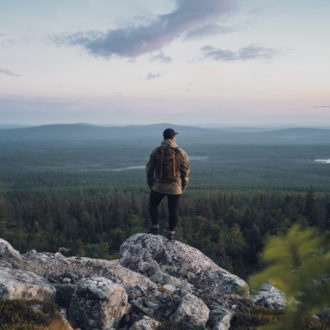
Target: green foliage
(298, 263)
(22, 314)
(228, 226)
(100, 250)
(254, 317)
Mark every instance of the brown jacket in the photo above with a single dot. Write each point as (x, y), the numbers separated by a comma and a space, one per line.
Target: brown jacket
(173, 188)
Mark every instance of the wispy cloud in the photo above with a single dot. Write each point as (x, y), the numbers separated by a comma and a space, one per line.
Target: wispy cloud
(324, 106)
(161, 57)
(209, 29)
(4, 39)
(243, 54)
(151, 76)
(137, 40)
(9, 73)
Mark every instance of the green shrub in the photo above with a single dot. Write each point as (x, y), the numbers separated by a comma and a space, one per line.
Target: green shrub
(254, 317)
(22, 314)
(298, 263)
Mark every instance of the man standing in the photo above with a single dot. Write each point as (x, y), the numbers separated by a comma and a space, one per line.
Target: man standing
(167, 175)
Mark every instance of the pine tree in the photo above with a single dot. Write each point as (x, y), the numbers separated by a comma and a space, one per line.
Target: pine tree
(298, 263)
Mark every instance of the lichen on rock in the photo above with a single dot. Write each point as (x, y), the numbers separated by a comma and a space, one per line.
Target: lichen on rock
(98, 303)
(21, 284)
(270, 297)
(153, 254)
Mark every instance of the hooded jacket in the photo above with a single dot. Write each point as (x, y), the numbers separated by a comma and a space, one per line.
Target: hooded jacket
(173, 188)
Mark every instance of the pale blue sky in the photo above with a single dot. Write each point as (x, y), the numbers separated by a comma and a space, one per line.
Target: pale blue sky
(220, 62)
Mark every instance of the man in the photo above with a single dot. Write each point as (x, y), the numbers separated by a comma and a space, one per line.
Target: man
(167, 175)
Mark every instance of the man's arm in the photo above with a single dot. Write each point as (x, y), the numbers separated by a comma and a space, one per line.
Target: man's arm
(185, 169)
(150, 169)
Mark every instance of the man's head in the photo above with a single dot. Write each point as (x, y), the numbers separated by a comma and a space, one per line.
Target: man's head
(169, 133)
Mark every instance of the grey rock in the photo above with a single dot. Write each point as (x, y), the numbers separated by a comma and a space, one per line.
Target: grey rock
(270, 297)
(66, 280)
(8, 252)
(170, 288)
(59, 268)
(163, 278)
(220, 318)
(146, 323)
(5, 264)
(154, 280)
(135, 292)
(19, 284)
(192, 313)
(98, 303)
(157, 303)
(152, 255)
(145, 306)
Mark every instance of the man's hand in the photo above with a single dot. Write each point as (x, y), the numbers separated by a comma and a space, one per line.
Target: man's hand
(150, 186)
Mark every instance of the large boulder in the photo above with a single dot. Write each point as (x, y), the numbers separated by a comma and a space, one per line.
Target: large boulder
(156, 256)
(19, 284)
(98, 303)
(8, 253)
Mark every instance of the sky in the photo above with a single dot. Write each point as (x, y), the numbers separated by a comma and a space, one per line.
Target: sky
(188, 62)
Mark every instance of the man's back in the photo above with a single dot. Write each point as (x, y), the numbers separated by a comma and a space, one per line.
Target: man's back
(181, 169)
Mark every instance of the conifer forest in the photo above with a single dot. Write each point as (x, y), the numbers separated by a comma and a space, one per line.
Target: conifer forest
(89, 196)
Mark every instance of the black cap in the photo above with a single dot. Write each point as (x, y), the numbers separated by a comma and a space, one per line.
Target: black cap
(169, 133)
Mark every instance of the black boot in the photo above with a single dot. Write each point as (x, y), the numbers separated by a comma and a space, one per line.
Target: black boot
(154, 229)
(171, 235)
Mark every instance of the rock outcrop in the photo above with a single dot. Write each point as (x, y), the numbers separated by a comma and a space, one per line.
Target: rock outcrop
(156, 282)
(20, 284)
(157, 257)
(8, 254)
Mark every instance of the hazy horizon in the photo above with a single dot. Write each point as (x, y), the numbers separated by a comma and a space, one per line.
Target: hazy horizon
(268, 126)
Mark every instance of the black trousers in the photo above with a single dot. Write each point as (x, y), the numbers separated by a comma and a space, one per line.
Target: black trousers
(173, 204)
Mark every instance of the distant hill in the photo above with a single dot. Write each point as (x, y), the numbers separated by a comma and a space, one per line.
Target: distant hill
(9, 126)
(79, 133)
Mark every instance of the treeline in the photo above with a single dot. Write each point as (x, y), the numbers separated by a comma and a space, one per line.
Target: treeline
(229, 227)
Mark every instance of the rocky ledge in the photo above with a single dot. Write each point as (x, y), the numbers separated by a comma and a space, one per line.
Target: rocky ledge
(155, 282)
